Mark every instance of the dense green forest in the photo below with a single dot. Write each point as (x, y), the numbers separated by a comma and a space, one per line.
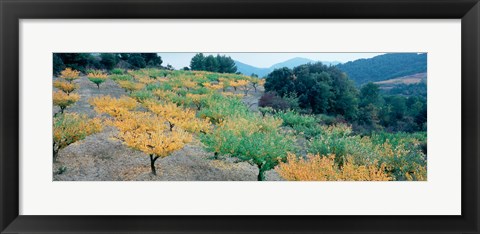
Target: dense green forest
(105, 61)
(384, 67)
(326, 90)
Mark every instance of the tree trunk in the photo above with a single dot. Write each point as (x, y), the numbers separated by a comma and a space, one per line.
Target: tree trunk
(98, 86)
(152, 163)
(261, 173)
(55, 155)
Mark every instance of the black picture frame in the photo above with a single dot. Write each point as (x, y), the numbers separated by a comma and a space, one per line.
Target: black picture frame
(12, 11)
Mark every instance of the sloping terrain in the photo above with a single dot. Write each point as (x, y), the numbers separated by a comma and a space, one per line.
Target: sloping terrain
(101, 157)
(404, 80)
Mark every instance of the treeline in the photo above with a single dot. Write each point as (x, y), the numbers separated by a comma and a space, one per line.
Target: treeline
(319, 89)
(384, 67)
(219, 63)
(419, 89)
(104, 61)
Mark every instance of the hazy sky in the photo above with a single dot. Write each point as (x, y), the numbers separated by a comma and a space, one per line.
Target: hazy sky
(264, 60)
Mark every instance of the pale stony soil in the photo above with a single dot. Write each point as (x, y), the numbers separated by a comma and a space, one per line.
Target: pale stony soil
(101, 157)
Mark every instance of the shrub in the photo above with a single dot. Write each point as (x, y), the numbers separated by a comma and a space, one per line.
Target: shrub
(117, 71)
(324, 168)
(302, 124)
(70, 127)
(63, 100)
(402, 154)
(141, 95)
(120, 77)
(271, 99)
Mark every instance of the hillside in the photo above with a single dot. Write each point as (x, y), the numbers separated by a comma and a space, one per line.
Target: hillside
(247, 69)
(103, 157)
(385, 67)
(404, 80)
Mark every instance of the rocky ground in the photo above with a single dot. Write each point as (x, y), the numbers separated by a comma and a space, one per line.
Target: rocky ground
(101, 157)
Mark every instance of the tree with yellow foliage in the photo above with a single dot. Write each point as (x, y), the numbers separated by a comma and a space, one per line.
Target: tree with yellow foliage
(69, 74)
(97, 77)
(130, 86)
(243, 84)
(177, 116)
(189, 84)
(236, 84)
(71, 127)
(147, 133)
(145, 79)
(257, 82)
(63, 100)
(211, 86)
(113, 106)
(197, 99)
(66, 87)
(324, 168)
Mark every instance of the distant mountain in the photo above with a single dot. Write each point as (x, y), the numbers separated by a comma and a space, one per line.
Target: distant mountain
(385, 67)
(247, 69)
(291, 63)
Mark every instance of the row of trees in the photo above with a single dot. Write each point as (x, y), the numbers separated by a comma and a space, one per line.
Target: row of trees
(319, 89)
(167, 109)
(219, 63)
(104, 61)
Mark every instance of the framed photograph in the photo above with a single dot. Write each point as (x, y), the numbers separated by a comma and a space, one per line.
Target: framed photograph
(239, 116)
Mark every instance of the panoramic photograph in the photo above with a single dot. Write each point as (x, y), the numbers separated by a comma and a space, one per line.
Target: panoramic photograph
(239, 116)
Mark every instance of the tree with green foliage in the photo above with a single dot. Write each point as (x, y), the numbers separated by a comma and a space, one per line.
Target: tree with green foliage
(79, 61)
(211, 64)
(253, 139)
(321, 89)
(219, 63)
(198, 62)
(152, 59)
(226, 64)
(136, 61)
(369, 108)
(108, 60)
(58, 64)
(280, 81)
(370, 94)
